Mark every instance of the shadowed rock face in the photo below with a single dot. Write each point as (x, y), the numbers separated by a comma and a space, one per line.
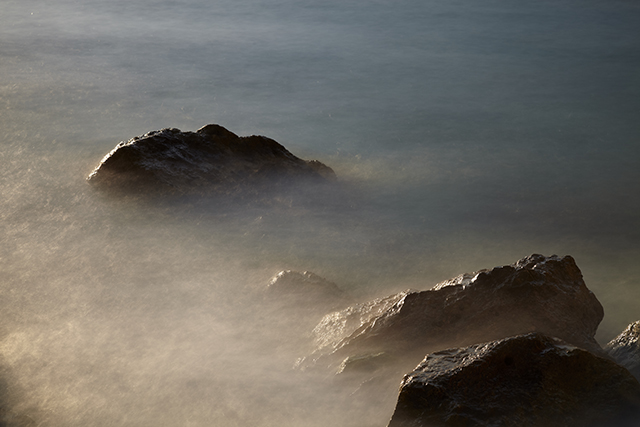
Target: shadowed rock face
(211, 160)
(537, 293)
(527, 380)
(625, 348)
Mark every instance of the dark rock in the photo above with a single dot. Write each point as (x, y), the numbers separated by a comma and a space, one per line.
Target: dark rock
(211, 160)
(625, 348)
(538, 293)
(527, 380)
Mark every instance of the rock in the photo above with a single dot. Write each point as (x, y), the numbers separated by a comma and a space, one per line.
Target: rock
(293, 302)
(306, 290)
(337, 326)
(527, 380)
(625, 348)
(537, 293)
(211, 160)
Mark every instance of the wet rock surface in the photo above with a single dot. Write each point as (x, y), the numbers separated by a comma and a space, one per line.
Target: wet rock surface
(625, 348)
(210, 160)
(527, 380)
(536, 294)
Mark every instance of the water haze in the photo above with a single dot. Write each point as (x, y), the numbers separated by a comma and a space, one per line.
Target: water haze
(465, 135)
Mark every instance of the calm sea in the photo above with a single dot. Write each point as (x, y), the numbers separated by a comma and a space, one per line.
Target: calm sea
(467, 134)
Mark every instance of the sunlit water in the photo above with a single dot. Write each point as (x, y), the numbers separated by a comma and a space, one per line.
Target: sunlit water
(466, 134)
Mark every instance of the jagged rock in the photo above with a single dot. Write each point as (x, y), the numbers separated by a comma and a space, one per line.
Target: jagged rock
(211, 159)
(625, 348)
(528, 380)
(335, 327)
(306, 290)
(537, 293)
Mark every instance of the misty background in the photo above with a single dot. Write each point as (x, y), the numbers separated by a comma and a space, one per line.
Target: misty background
(465, 135)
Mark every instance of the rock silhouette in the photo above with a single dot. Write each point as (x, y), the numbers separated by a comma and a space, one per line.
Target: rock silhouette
(210, 160)
(529, 380)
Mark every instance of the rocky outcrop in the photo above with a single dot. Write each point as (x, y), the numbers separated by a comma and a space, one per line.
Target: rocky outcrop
(536, 294)
(625, 348)
(211, 160)
(527, 380)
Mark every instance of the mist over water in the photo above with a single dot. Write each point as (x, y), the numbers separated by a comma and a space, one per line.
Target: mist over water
(465, 135)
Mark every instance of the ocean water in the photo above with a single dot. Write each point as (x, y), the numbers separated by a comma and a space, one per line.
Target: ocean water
(465, 135)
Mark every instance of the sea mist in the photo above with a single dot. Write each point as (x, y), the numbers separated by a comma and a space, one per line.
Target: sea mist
(464, 136)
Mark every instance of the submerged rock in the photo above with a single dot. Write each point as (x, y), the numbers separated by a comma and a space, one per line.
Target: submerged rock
(537, 293)
(625, 348)
(306, 290)
(293, 302)
(528, 380)
(212, 160)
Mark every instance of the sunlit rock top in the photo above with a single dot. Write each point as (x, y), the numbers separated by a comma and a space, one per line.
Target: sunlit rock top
(625, 348)
(211, 160)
